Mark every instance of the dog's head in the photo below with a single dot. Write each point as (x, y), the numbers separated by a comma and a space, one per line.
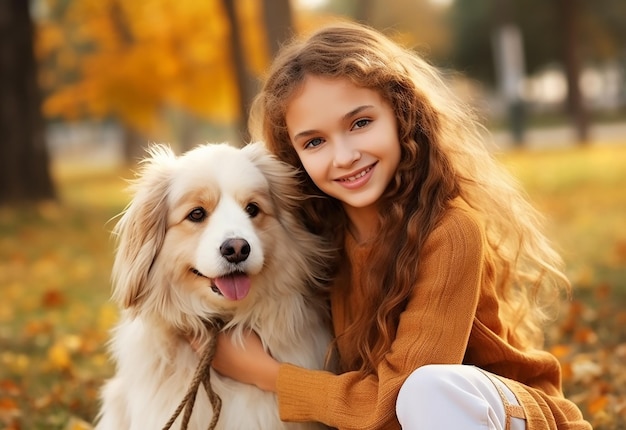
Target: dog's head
(204, 232)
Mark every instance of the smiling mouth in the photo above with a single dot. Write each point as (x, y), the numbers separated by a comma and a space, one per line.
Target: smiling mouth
(232, 286)
(213, 286)
(358, 175)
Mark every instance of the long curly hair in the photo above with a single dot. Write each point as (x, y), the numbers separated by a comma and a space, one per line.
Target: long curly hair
(442, 156)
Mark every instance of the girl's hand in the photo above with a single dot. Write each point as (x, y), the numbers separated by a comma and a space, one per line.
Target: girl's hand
(249, 363)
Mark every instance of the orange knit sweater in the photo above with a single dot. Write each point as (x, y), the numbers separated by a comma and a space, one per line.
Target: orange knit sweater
(451, 317)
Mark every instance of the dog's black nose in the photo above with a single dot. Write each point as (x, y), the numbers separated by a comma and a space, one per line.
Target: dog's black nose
(235, 250)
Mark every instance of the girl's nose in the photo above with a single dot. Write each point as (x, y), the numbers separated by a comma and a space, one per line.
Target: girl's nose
(345, 154)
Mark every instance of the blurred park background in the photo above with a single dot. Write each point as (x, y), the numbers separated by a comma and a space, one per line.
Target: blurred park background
(86, 85)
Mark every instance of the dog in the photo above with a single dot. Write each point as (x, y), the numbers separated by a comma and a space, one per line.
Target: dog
(211, 234)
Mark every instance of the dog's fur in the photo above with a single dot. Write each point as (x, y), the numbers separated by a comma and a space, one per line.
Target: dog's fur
(193, 220)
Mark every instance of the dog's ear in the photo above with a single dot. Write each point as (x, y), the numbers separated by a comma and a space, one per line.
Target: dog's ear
(141, 228)
(281, 177)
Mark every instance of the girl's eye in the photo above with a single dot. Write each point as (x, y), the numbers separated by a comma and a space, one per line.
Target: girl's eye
(197, 215)
(252, 209)
(313, 143)
(361, 123)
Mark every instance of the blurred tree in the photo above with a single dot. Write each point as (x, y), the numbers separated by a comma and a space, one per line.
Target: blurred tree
(136, 62)
(600, 34)
(472, 49)
(246, 88)
(275, 16)
(569, 32)
(420, 24)
(132, 61)
(364, 11)
(24, 161)
(569, 10)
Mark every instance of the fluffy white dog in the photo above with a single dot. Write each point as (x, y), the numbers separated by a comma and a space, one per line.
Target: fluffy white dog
(213, 233)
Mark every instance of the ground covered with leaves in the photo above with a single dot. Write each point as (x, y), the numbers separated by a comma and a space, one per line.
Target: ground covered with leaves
(55, 262)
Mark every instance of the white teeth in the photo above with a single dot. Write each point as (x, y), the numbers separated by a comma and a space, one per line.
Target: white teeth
(357, 176)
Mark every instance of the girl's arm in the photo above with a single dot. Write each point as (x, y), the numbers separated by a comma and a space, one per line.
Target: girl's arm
(247, 363)
(434, 328)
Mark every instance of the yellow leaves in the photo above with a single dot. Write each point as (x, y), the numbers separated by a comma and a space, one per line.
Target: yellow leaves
(137, 57)
(7, 311)
(78, 424)
(49, 37)
(9, 409)
(560, 351)
(35, 328)
(14, 362)
(59, 357)
(590, 346)
(54, 277)
(598, 404)
(60, 353)
(253, 35)
(619, 253)
(107, 317)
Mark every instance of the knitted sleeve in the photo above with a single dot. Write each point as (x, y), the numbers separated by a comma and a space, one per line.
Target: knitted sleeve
(434, 328)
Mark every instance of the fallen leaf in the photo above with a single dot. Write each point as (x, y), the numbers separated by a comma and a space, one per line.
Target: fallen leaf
(585, 370)
(78, 424)
(560, 350)
(59, 357)
(8, 409)
(52, 298)
(9, 387)
(598, 404)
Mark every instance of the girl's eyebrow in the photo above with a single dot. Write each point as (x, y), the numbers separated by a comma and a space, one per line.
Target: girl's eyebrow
(304, 134)
(347, 116)
(356, 111)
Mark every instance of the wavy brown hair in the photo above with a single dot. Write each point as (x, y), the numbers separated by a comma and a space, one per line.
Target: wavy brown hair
(442, 156)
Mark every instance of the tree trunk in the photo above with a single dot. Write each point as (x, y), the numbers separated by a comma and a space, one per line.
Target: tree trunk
(569, 12)
(278, 23)
(245, 83)
(509, 62)
(363, 11)
(133, 147)
(24, 160)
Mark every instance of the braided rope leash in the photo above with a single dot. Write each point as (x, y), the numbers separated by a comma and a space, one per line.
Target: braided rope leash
(201, 375)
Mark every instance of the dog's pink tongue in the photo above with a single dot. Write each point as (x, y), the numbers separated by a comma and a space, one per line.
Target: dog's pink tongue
(234, 287)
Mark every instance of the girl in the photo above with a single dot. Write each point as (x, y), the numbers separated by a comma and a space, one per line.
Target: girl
(443, 272)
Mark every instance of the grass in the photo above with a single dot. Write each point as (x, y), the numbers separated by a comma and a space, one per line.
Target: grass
(55, 262)
(582, 192)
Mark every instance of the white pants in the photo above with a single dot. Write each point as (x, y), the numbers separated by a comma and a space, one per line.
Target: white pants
(464, 397)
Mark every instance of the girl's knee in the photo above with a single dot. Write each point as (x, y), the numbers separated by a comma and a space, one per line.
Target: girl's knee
(425, 386)
(425, 379)
(457, 395)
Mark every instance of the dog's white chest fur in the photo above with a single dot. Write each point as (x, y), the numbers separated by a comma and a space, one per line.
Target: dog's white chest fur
(151, 381)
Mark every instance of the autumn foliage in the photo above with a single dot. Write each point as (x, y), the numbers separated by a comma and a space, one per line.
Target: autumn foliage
(136, 61)
(133, 60)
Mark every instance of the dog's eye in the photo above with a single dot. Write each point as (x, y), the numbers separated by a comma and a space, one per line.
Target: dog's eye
(197, 215)
(252, 209)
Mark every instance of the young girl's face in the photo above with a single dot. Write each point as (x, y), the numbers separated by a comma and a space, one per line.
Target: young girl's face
(347, 139)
